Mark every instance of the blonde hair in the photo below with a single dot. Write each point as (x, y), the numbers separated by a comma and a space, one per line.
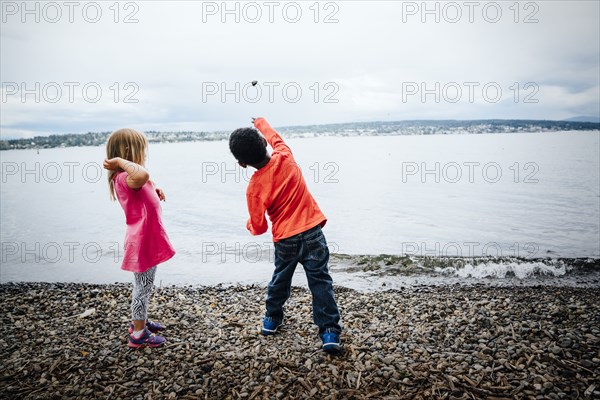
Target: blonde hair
(128, 144)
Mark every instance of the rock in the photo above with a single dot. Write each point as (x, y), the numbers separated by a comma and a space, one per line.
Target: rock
(556, 350)
(388, 360)
(565, 343)
(587, 364)
(87, 313)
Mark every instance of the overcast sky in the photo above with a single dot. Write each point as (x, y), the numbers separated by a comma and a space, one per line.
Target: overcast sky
(324, 62)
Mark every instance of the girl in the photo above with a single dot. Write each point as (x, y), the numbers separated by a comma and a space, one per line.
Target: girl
(146, 242)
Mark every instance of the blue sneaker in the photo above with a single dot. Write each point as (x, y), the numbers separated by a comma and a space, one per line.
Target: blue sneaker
(270, 326)
(331, 342)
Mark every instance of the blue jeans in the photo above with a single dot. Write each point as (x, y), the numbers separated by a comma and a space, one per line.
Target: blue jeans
(310, 249)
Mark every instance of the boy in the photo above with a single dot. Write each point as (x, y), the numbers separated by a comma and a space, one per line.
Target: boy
(278, 188)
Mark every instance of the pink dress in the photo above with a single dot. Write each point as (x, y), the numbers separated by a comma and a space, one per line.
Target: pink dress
(146, 242)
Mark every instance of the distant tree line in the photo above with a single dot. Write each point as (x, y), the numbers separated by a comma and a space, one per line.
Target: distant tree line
(416, 127)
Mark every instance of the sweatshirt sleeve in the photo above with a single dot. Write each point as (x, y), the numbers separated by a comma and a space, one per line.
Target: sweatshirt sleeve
(273, 138)
(257, 223)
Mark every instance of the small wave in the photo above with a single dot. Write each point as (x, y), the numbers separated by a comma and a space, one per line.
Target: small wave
(505, 270)
(465, 267)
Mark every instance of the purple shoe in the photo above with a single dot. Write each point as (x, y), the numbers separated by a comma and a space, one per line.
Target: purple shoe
(146, 339)
(150, 325)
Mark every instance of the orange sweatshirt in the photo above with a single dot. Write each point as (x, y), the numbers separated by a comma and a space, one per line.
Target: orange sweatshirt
(279, 189)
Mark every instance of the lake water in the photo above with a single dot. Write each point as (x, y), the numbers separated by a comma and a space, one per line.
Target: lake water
(526, 195)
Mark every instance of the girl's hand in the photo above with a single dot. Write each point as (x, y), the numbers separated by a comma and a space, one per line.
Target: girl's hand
(112, 164)
(161, 194)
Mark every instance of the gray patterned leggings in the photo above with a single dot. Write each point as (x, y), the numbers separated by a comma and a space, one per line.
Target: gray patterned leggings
(142, 288)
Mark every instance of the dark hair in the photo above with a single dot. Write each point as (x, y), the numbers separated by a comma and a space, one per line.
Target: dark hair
(247, 146)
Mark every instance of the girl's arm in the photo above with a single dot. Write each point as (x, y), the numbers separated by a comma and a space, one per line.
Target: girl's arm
(137, 176)
(159, 191)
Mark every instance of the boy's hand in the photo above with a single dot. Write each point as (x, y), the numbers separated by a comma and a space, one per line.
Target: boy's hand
(112, 164)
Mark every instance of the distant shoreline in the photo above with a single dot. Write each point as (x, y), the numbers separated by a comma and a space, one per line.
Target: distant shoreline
(377, 128)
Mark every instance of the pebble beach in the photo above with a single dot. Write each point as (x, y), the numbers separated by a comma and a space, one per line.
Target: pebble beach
(450, 342)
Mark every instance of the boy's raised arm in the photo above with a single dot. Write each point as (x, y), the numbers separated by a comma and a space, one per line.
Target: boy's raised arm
(273, 138)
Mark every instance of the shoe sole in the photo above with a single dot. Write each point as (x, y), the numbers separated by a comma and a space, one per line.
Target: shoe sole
(332, 348)
(138, 346)
(268, 332)
(151, 331)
